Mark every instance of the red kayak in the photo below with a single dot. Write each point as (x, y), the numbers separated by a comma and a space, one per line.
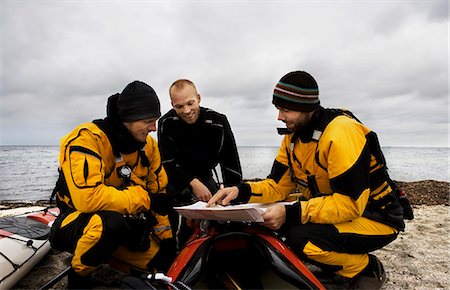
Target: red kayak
(240, 256)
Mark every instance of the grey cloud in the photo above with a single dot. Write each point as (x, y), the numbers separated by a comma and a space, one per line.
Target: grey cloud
(61, 60)
(434, 10)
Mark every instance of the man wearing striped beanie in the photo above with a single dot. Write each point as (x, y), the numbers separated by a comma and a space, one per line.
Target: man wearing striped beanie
(297, 91)
(348, 206)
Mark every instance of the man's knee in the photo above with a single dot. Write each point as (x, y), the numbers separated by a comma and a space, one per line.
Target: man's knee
(107, 230)
(320, 234)
(311, 241)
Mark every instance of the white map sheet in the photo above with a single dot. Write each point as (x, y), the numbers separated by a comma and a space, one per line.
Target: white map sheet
(248, 212)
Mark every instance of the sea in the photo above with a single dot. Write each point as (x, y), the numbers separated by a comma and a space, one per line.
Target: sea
(29, 173)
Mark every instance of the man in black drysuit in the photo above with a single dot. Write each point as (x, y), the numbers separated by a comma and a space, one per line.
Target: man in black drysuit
(193, 140)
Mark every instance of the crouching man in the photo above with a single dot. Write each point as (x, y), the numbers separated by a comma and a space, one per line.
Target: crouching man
(349, 205)
(111, 190)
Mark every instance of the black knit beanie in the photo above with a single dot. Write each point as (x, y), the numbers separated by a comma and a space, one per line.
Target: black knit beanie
(138, 101)
(297, 91)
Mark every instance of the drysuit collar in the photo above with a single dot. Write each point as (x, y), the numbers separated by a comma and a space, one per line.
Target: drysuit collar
(305, 134)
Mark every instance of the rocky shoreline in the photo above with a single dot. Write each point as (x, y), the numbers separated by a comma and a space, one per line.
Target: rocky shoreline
(426, 192)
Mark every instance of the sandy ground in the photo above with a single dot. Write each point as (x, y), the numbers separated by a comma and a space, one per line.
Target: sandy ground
(418, 259)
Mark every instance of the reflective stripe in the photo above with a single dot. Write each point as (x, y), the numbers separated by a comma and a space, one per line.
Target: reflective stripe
(162, 229)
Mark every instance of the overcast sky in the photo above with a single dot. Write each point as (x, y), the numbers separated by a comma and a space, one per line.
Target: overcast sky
(387, 61)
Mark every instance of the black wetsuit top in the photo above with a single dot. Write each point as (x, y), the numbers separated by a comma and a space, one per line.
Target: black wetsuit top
(193, 150)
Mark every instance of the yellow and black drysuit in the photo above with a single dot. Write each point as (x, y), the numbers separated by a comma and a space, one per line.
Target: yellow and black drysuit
(107, 191)
(348, 208)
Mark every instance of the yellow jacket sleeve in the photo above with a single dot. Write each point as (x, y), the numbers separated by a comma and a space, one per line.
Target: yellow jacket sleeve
(342, 176)
(157, 176)
(83, 165)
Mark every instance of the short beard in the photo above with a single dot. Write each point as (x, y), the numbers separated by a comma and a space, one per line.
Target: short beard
(300, 127)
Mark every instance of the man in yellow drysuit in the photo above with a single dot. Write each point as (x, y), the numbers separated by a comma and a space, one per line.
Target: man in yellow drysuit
(349, 206)
(111, 190)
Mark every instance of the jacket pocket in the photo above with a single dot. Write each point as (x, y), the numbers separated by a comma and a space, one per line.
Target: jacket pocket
(85, 166)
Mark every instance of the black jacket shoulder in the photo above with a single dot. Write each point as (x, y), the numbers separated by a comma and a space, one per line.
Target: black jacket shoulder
(211, 114)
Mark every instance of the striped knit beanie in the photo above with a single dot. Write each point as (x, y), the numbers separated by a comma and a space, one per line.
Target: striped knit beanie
(297, 91)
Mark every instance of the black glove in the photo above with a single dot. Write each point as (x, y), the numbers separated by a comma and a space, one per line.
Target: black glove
(160, 203)
(165, 256)
(139, 236)
(183, 197)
